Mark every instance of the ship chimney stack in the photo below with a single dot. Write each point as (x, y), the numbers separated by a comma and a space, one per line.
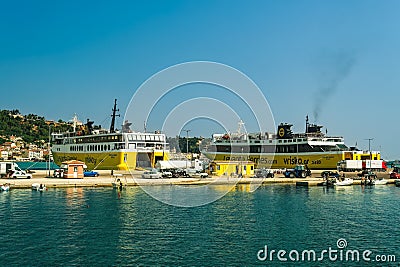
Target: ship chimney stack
(307, 124)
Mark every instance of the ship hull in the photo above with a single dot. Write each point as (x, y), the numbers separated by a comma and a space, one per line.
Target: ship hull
(316, 161)
(115, 160)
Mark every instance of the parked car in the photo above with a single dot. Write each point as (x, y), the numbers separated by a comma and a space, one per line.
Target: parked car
(178, 173)
(395, 174)
(166, 174)
(58, 173)
(21, 175)
(330, 174)
(90, 174)
(196, 174)
(264, 173)
(153, 174)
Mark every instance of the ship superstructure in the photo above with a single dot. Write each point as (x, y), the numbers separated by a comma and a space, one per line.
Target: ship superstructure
(110, 149)
(285, 149)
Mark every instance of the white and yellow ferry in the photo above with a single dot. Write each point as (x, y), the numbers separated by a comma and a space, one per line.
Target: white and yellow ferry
(285, 149)
(108, 149)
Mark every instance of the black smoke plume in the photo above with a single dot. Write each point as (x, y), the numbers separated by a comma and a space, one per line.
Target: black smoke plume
(334, 68)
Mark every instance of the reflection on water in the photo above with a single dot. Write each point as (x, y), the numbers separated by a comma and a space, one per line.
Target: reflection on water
(104, 226)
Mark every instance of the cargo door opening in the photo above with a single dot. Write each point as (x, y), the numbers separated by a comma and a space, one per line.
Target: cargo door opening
(143, 160)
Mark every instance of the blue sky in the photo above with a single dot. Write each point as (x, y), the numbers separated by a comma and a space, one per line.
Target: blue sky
(337, 61)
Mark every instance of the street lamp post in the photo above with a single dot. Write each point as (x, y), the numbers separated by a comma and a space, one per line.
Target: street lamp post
(187, 146)
(49, 148)
(369, 146)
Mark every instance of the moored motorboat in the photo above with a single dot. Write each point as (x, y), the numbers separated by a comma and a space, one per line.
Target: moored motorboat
(117, 183)
(5, 187)
(345, 182)
(38, 187)
(397, 182)
(382, 181)
(329, 182)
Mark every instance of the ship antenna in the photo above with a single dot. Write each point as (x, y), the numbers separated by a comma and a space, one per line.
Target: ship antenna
(114, 110)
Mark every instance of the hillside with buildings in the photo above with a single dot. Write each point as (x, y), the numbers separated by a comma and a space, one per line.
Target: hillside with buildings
(26, 136)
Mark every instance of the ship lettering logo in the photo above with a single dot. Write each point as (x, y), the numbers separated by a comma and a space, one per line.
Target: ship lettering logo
(281, 132)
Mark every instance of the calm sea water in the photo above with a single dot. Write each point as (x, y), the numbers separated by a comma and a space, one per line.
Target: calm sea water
(100, 227)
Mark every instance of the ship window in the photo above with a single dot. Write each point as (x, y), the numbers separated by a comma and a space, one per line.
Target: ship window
(129, 137)
(280, 141)
(292, 149)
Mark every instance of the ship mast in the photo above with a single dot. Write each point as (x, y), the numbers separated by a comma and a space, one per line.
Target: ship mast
(114, 110)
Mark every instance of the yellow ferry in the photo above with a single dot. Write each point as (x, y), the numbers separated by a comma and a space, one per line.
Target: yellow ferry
(109, 149)
(285, 149)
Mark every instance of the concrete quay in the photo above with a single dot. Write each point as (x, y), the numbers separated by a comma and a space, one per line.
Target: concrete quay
(320, 182)
(133, 179)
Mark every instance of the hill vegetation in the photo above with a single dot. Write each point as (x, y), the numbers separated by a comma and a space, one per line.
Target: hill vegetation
(31, 128)
(35, 129)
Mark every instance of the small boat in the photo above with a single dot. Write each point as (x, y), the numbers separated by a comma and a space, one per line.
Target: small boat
(39, 187)
(329, 182)
(345, 182)
(382, 181)
(117, 183)
(5, 188)
(397, 182)
(367, 181)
